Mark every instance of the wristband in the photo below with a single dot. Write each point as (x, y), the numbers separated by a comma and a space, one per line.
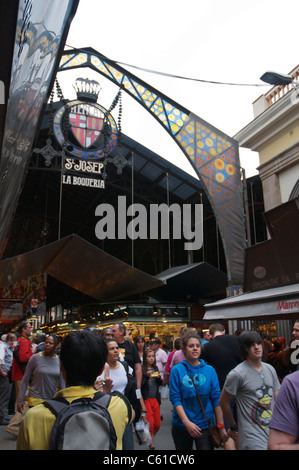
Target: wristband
(234, 427)
(220, 425)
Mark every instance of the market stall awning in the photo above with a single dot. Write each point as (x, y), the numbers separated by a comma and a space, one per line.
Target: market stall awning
(280, 302)
(82, 266)
(191, 283)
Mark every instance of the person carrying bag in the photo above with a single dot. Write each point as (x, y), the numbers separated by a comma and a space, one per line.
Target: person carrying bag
(193, 417)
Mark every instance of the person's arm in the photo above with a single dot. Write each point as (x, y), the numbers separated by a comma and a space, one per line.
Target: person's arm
(24, 384)
(164, 362)
(224, 401)
(2, 372)
(219, 420)
(138, 375)
(192, 428)
(25, 351)
(2, 352)
(284, 426)
(279, 440)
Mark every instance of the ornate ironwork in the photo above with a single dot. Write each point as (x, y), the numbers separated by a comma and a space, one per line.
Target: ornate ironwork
(213, 155)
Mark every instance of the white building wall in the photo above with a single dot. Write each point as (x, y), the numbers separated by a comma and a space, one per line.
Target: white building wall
(287, 180)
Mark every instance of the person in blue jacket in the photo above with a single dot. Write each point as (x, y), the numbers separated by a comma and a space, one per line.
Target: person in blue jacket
(188, 421)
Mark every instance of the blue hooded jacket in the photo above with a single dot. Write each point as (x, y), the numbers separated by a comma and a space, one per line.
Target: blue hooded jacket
(182, 392)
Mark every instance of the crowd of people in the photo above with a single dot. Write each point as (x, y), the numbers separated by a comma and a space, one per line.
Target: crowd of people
(214, 380)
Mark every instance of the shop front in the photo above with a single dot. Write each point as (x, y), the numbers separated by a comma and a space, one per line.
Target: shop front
(271, 311)
(145, 319)
(270, 303)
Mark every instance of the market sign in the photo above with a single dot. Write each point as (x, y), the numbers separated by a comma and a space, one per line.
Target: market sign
(84, 167)
(93, 129)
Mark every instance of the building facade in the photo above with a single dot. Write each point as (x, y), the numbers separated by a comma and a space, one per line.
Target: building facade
(274, 134)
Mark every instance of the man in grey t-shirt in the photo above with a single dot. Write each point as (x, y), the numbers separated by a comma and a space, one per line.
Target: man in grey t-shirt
(255, 385)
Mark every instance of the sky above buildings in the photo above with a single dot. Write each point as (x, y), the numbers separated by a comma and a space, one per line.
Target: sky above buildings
(232, 42)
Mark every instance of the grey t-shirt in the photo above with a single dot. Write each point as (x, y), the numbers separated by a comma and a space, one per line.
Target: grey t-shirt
(254, 391)
(44, 375)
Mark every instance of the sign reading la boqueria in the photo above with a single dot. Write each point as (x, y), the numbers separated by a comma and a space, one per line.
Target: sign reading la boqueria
(88, 133)
(82, 181)
(83, 166)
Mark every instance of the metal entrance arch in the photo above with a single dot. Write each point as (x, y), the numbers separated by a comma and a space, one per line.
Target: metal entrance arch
(213, 155)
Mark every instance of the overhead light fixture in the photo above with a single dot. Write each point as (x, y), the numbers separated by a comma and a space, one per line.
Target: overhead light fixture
(274, 78)
(279, 79)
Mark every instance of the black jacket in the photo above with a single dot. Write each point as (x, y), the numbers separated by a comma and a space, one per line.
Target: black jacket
(145, 389)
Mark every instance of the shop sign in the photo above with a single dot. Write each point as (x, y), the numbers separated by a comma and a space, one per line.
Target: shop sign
(85, 167)
(81, 181)
(288, 306)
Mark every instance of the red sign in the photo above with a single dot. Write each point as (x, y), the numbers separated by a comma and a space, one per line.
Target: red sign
(34, 303)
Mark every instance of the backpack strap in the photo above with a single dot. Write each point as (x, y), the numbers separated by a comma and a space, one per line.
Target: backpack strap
(124, 398)
(125, 365)
(59, 403)
(56, 405)
(102, 398)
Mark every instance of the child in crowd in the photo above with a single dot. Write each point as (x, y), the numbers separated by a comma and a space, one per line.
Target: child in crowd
(151, 380)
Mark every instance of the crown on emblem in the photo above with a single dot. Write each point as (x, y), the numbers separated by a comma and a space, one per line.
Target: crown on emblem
(87, 90)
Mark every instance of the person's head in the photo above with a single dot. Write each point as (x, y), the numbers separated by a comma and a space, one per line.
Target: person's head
(59, 342)
(149, 358)
(83, 356)
(216, 329)
(139, 342)
(113, 350)
(295, 333)
(10, 339)
(238, 331)
(183, 331)
(177, 343)
(25, 329)
(206, 335)
(50, 344)
(119, 332)
(279, 344)
(191, 346)
(39, 338)
(155, 344)
(251, 345)
(107, 333)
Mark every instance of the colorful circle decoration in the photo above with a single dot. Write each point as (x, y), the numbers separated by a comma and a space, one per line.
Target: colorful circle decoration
(85, 126)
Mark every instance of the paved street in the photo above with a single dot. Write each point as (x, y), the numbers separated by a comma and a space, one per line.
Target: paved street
(7, 441)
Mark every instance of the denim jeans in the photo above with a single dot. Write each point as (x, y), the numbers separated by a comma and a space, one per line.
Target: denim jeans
(128, 438)
(183, 440)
